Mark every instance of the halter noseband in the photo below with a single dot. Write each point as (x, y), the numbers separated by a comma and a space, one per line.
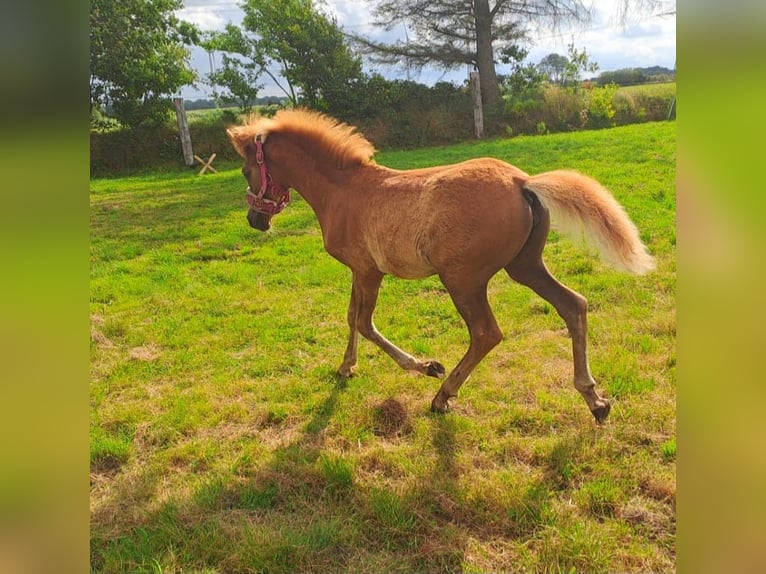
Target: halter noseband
(279, 192)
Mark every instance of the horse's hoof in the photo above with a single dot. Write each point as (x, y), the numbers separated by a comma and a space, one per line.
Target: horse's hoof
(435, 369)
(602, 412)
(441, 409)
(346, 373)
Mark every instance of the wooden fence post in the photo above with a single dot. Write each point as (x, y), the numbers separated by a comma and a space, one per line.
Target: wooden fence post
(183, 130)
(478, 113)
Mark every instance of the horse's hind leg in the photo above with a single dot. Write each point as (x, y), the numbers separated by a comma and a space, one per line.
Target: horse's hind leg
(364, 297)
(529, 269)
(572, 307)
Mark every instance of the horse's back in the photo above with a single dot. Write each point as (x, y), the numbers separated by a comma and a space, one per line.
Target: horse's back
(467, 217)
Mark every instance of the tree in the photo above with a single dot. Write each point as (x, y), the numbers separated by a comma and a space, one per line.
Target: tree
(138, 57)
(239, 77)
(523, 86)
(623, 77)
(567, 71)
(554, 66)
(577, 64)
(453, 33)
(308, 47)
(240, 67)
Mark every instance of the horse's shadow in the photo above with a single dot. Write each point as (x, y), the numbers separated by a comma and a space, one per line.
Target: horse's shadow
(387, 517)
(305, 500)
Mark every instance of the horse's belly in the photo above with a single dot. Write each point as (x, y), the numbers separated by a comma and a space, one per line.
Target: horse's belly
(409, 270)
(401, 262)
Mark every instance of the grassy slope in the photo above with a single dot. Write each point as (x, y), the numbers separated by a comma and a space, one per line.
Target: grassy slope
(221, 440)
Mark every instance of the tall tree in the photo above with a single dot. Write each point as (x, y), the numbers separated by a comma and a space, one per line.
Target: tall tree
(240, 66)
(307, 45)
(452, 33)
(554, 66)
(138, 57)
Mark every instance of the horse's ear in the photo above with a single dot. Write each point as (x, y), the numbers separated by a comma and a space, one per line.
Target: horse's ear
(242, 141)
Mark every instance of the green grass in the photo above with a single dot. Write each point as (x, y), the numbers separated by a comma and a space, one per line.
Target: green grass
(221, 440)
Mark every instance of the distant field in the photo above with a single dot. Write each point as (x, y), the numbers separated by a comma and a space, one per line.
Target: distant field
(665, 89)
(211, 115)
(221, 440)
(199, 114)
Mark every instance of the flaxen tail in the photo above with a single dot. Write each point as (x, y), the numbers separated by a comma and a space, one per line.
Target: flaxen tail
(580, 204)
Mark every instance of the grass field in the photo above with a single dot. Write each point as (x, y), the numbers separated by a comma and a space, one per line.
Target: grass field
(222, 441)
(666, 89)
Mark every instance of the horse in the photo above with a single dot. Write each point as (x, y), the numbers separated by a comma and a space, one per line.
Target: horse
(463, 222)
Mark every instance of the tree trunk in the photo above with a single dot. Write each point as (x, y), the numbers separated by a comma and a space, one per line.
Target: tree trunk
(485, 61)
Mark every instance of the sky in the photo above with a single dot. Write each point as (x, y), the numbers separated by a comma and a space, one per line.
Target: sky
(646, 41)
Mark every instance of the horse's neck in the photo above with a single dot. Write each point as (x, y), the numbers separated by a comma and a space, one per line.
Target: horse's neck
(318, 183)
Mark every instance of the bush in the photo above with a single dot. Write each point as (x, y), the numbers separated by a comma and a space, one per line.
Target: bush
(524, 116)
(564, 109)
(142, 148)
(101, 122)
(397, 114)
(654, 106)
(649, 103)
(600, 107)
(405, 114)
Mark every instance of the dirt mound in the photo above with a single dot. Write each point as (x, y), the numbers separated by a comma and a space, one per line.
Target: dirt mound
(391, 419)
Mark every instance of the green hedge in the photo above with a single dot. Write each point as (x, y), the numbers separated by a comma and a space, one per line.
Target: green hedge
(127, 150)
(398, 115)
(557, 109)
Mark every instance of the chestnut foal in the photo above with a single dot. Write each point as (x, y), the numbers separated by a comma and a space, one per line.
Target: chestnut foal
(464, 222)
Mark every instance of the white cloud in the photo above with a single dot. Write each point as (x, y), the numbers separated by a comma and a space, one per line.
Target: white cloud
(211, 14)
(645, 41)
(204, 19)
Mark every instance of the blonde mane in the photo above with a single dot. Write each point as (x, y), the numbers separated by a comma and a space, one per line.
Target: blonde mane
(339, 143)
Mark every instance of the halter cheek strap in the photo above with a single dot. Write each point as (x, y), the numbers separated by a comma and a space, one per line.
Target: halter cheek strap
(279, 192)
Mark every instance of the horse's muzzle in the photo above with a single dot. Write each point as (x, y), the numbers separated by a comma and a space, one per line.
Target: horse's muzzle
(258, 220)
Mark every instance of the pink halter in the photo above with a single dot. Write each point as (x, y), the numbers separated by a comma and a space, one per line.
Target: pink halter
(279, 193)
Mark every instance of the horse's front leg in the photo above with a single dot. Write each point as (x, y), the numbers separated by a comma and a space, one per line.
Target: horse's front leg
(350, 357)
(364, 297)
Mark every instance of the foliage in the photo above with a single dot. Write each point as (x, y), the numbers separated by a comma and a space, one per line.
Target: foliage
(211, 103)
(565, 109)
(451, 33)
(554, 66)
(522, 89)
(636, 104)
(120, 151)
(547, 95)
(393, 115)
(578, 63)
(601, 111)
(138, 57)
(567, 71)
(406, 114)
(239, 78)
(623, 77)
(222, 442)
(309, 48)
(100, 122)
(525, 80)
(239, 70)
